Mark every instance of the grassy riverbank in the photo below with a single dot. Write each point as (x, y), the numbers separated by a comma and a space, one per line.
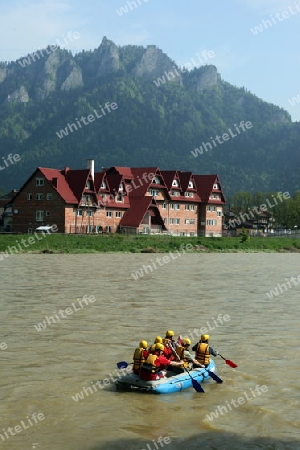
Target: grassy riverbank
(57, 243)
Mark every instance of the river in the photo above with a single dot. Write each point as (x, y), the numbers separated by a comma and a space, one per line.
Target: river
(42, 371)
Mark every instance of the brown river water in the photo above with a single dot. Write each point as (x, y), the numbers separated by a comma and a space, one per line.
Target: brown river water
(41, 371)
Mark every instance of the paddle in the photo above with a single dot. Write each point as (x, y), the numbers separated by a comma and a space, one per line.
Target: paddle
(122, 364)
(214, 376)
(230, 363)
(197, 386)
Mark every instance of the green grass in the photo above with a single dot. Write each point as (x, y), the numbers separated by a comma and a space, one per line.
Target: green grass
(59, 243)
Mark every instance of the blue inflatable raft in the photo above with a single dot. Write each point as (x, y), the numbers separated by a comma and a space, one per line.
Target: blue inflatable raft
(167, 385)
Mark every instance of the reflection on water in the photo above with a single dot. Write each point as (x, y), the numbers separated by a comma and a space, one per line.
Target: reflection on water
(42, 370)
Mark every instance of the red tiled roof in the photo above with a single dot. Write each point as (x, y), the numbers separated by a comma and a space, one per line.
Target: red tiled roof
(141, 181)
(98, 178)
(169, 176)
(124, 171)
(185, 178)
(204, 185)
(135, 214)
(114, 181)
(63, 188)
(77, 180)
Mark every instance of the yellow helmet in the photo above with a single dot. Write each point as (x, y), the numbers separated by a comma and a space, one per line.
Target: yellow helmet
(159, 346)
(186, 341)
(204, 337)
(144, 344)
(158, 340)
(170, 333)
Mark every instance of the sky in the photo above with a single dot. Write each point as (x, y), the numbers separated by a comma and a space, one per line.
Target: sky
(266, 61)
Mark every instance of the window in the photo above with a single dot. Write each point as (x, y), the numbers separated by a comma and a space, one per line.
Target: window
(219, 213)
(175, 193)
(88, 185)
(39, 181)
(190, 207)
(39, 196)
(118, 214)
(215, 197)
(39, 216)
(177, 206)
(108, 214)
(175, 183)
(189, 194)
(192, 221)
(103, 185)
(211, 208)
(177, 221)
(172, 206)
(211, 222)
(121, 188)
(47, 213)
(191, 185)
(154, 192)
(216, 186)
(172, 221)
(187, 221)
(49, 196)
(164, 206)
(29, 196)
(119, 198)
(192, 234)
(156, 180)
(90, 213)
(29, 231)
(165, 219)
(79, 212)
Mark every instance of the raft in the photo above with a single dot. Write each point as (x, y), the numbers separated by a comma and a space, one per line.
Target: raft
(168, 385)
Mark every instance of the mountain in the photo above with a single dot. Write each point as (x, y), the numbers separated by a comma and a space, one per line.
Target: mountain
(156, 114)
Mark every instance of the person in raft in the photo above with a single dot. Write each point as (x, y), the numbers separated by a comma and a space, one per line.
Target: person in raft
(158, 340)
(184, 354)
(139, 357)
(169, 344)
(203, 350)
(155, 366)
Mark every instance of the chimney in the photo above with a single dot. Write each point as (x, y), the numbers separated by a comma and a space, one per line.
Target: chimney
(90, 164)
(55, 182)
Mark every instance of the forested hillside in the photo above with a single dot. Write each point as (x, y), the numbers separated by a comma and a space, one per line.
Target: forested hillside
(151, 125)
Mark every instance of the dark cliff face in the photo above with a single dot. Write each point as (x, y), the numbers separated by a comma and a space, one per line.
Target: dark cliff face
(46, 71)
(155, 64)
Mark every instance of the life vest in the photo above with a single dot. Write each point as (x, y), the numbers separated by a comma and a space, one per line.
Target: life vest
(180, 353)
(202, 353)
(149, 366)
(138, 359)
(168, 344)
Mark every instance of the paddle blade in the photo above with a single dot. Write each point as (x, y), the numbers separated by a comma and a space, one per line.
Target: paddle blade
(197, 386)
(214, 376)
(230, 363)
(122, 365)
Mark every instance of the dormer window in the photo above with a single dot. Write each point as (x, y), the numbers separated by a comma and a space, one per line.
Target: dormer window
(191, 185)
(121, 188)
(216, 186)
(175, 183)
(87, 185)
(156, 180)
(103, 185)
